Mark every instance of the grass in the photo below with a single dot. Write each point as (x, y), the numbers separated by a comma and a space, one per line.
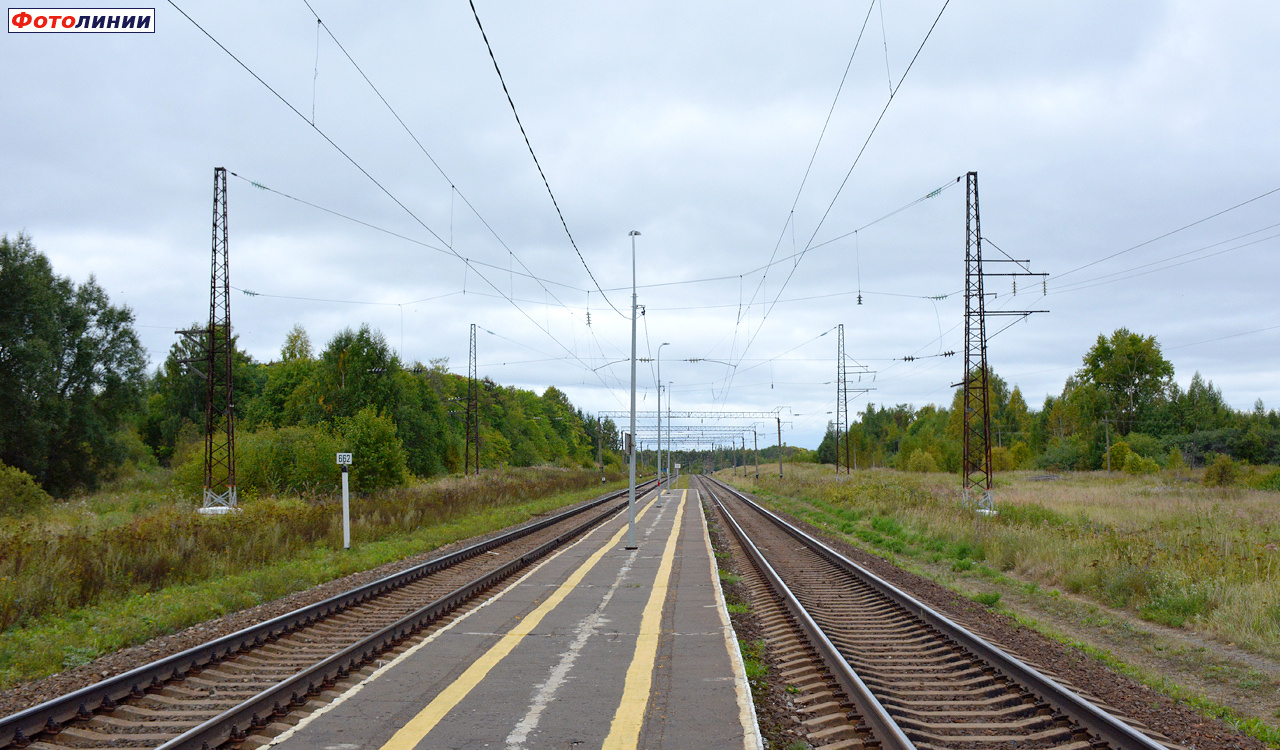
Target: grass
(1168, 551)
(753, 659)
(1172, 552)
(240, 574)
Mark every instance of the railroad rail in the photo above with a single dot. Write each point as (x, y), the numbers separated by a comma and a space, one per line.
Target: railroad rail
(218, 692)
(916, 678)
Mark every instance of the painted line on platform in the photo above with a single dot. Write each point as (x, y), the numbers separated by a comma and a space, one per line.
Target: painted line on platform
(416, 730)
(624, 733)
(751, 737)
(350, 693)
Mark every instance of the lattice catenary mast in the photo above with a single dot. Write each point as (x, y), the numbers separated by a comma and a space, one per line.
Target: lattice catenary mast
(975, 469)
(220, 418)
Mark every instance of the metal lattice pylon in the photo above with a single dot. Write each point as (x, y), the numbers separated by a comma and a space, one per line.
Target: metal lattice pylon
(976, 456)
(472, 447)
(220, 420)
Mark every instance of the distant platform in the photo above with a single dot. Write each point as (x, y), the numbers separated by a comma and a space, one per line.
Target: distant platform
(596, 647)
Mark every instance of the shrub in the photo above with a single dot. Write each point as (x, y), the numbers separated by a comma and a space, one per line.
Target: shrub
(922, 460)
(1223, 472)
(19, 492)
(378, 458)
(1136, 464)
(1064, 454)
(1144, 445)
(1021, 455)
(289, 460)
(1002, 460)
(1175, 463)
(1119, 454)
(1269, 480)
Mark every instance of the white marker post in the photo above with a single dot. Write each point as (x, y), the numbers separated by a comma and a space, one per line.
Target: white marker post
(344, 460)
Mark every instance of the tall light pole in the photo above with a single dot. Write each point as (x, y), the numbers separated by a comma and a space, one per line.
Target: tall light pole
(658, 358)
(669, 384)
(631, 496)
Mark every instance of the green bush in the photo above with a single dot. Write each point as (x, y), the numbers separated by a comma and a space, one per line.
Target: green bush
(922, 460)
(1064, 454)
(1175, 463)
(1119, 454)
(289, 460)
(377, 455)
(1002, 460)
(1136, 464)
(1144, 445)
(1223, 472)
(1021, 455)
(1267, 480)
(19, 492)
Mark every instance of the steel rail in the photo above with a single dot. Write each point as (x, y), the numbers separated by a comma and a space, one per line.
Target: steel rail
(1112, 730)
(886, 730)
(50, 716)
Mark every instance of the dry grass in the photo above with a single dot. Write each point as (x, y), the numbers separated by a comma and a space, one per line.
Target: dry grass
(105, 548)
(1168, 549)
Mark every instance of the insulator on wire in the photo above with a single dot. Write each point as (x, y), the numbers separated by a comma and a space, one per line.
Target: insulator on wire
(1015, 287)
(1044, 286)
(859, 298)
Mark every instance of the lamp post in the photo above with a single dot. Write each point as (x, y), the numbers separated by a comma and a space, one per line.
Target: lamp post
(658, 359)
(631, 496)
(669, 384)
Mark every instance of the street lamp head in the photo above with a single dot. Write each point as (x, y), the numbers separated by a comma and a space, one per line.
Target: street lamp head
(633, 233)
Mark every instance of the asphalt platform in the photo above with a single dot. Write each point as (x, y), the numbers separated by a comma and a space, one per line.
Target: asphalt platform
(598, 646)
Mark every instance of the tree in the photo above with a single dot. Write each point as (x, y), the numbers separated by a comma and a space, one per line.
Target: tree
(72, 372)
(178, 391)
(1131, 374)
(827, 448)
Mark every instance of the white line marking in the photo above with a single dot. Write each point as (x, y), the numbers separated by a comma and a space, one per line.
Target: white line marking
(414, 649)
(546, 691)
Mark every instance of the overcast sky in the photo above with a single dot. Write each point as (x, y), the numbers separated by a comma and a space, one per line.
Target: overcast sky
(1094, 127)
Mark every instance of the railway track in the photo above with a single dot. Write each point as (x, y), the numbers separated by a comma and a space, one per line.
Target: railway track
(908, 676)
(219, 692)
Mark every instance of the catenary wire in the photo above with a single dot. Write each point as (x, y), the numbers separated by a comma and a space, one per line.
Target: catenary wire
(1170, 233)
(536, 163)
(372, 179)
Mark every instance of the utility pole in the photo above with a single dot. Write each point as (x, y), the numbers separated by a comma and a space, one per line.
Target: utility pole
(219, 412)
(631, 496)
(842, 402)
(658, 375)
(600, 446)
(472, 447)
(779, 447)
(976, 449)
(755, 446)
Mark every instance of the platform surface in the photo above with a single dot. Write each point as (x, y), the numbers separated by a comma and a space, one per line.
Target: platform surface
(596, 647)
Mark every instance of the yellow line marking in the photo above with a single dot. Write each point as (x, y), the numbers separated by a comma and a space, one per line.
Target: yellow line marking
(624, 733)
(412, 733)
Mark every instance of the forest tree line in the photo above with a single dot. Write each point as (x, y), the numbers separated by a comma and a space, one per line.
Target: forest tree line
(79, 407)
(1124, 394)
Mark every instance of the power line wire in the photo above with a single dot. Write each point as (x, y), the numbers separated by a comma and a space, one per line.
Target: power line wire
(447, 250)
(1169, 234)
(374, 180)
(848, 174)
(536, 163)
(452, 186)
